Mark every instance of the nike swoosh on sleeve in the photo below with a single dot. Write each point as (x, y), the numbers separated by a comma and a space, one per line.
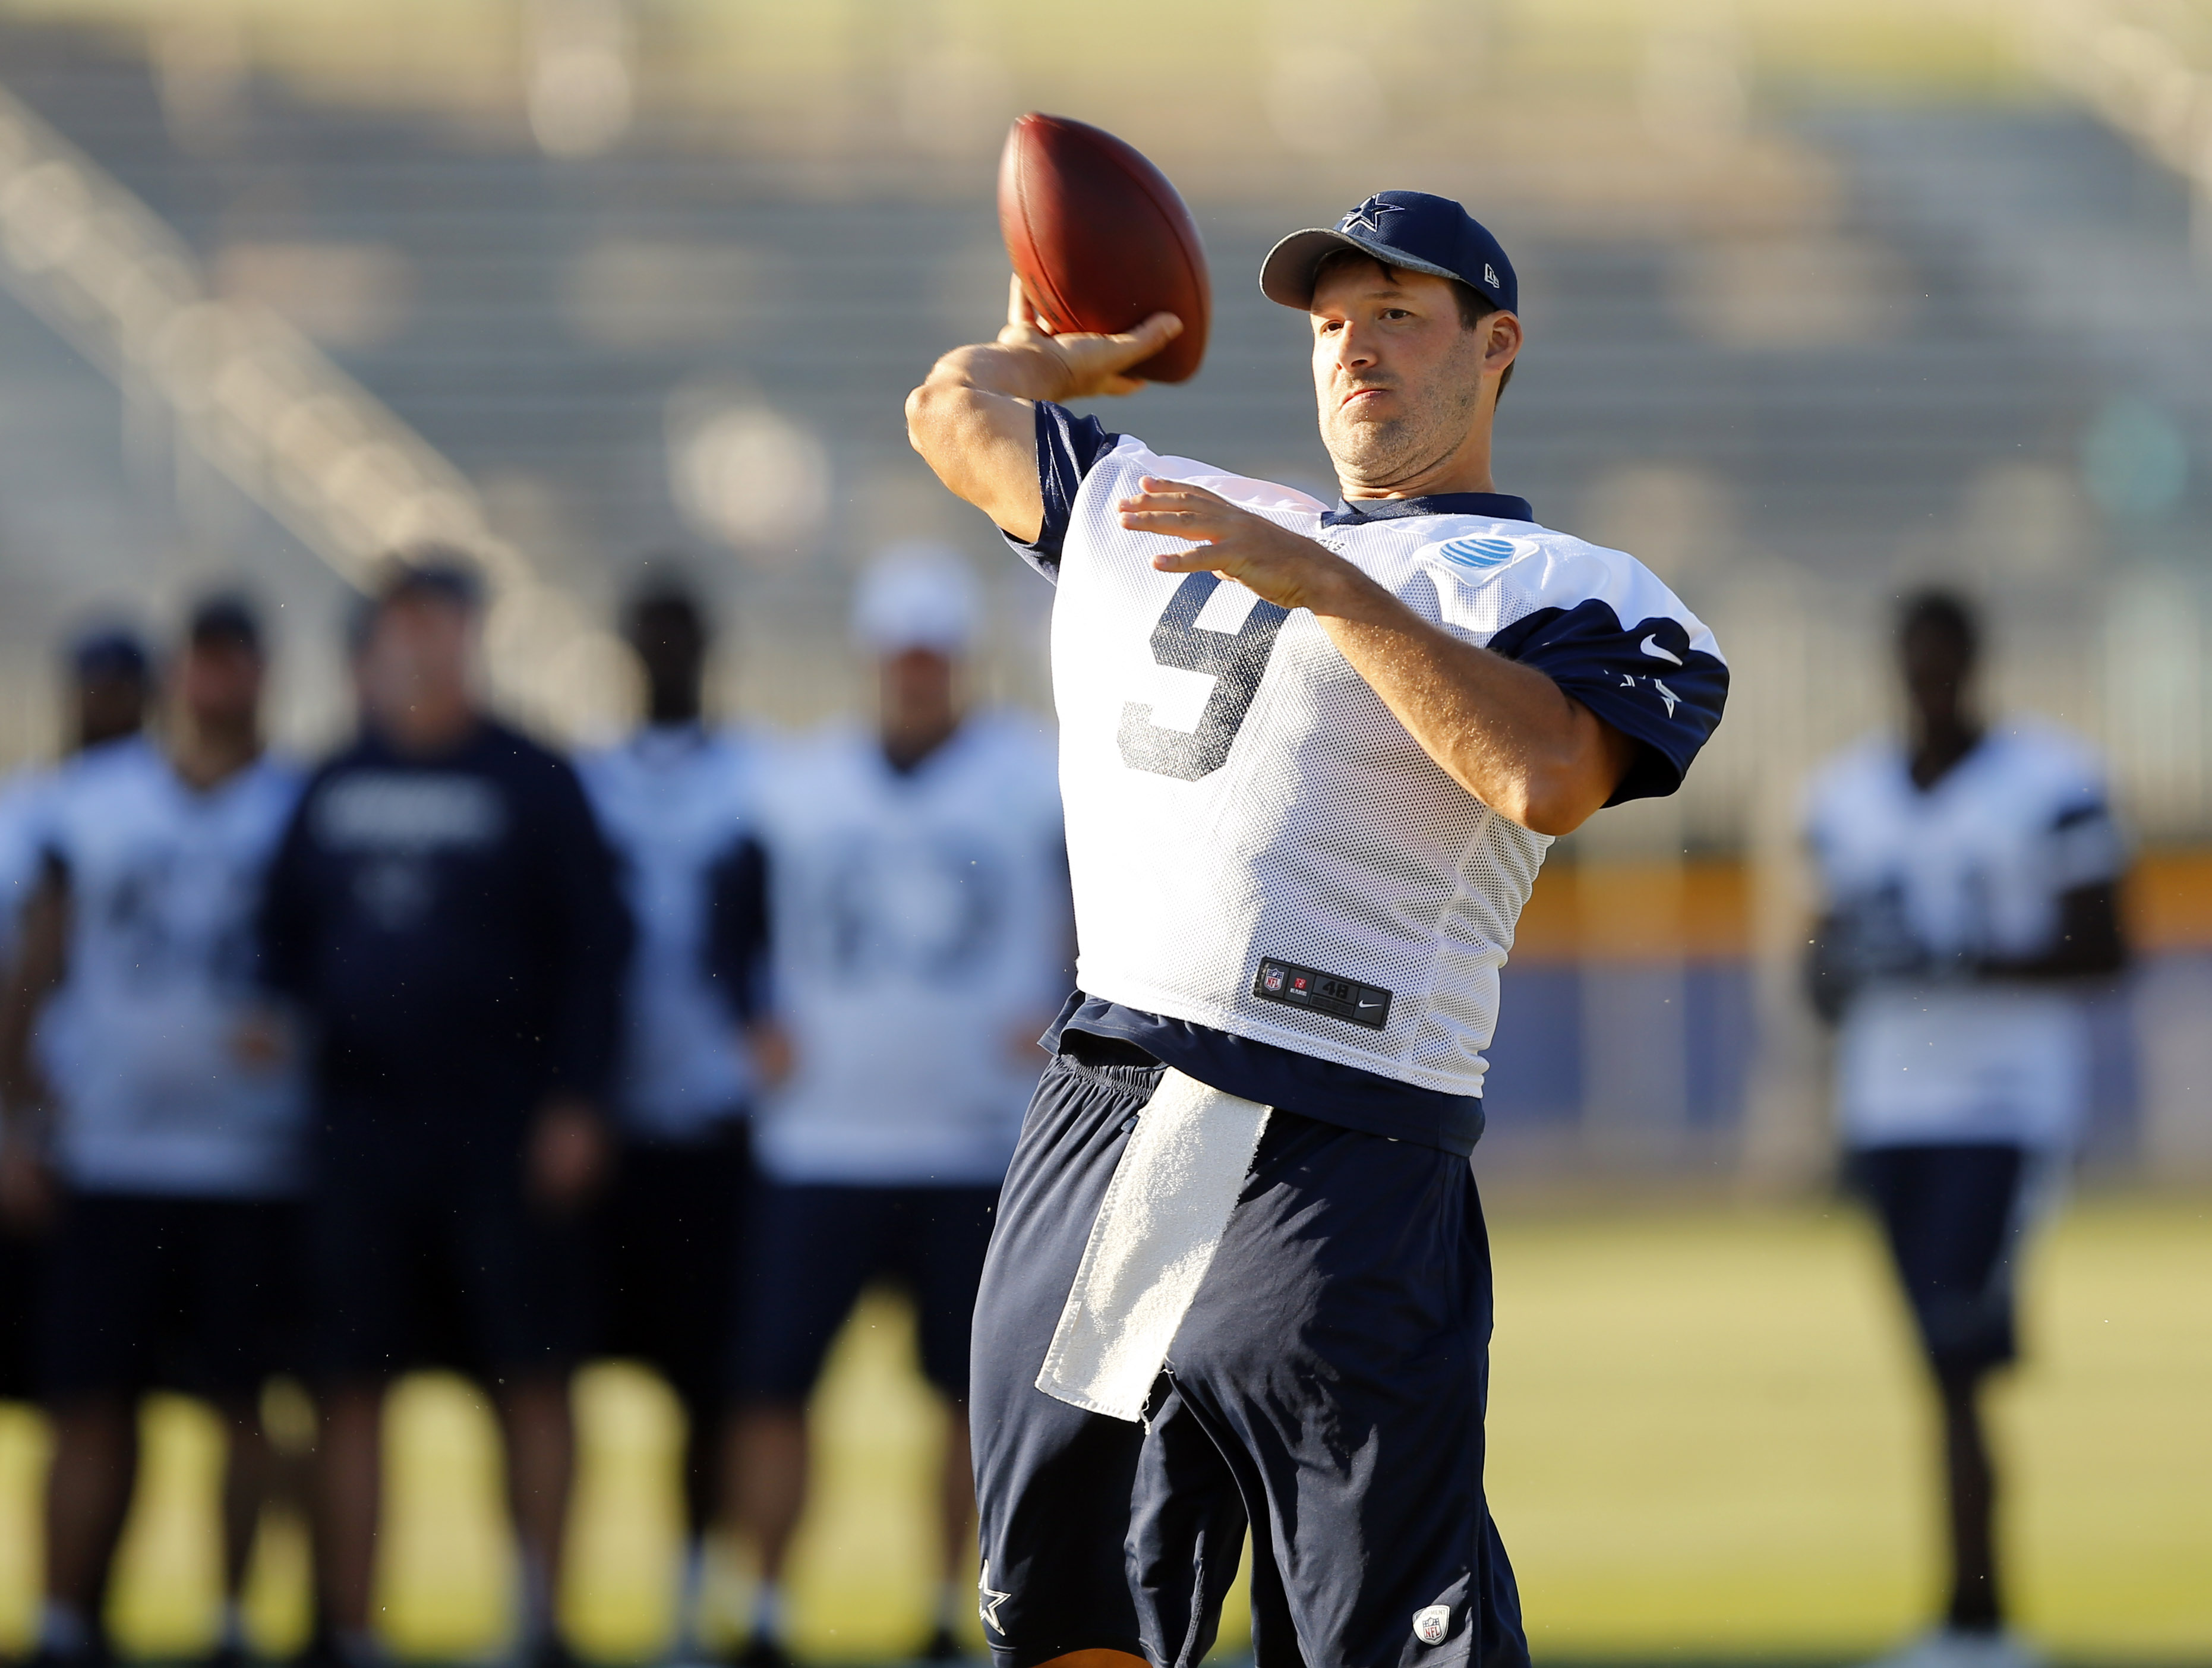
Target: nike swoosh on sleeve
(1651, 645)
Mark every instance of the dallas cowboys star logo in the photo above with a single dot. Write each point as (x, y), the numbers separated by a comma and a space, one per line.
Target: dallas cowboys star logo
(1367, 218)
(987, 1601)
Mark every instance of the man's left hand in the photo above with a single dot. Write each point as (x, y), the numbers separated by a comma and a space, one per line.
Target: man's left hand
(568, 1155)
(1285, 567)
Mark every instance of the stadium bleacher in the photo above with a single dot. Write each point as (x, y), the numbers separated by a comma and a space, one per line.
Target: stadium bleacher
(1809, 357)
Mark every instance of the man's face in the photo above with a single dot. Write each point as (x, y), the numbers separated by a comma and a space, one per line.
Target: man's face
(1938, 675)
(670, 645)
(219, 683)
(416, 659)
(1398, 378)
(109, 704)
(918, 688)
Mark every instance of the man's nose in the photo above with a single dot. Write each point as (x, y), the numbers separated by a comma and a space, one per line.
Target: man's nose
(1354, 351)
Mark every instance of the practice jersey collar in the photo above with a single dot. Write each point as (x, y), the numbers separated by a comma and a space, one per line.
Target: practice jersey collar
(1491, 506)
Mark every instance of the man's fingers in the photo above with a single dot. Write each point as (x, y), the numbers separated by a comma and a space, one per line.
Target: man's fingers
(1188, 488)
(1155, 333)
(1018, 310)
(1177, 523)
(1190, 559)
(1097, 361)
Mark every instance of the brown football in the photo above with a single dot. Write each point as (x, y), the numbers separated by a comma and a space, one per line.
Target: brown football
(1100, 240)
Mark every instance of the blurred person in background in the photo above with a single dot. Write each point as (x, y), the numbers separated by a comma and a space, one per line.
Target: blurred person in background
(1971, 875)
(165, 1156)
(672, 800)
(921, 938)
(443, 910)
(109, 682)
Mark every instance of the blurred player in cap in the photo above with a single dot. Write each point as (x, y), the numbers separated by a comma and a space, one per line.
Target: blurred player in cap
(917, 905)
(1972, 873)
(674, 801)
(444, 910)
(169, 1155)
(1313, 756)
(109, 681)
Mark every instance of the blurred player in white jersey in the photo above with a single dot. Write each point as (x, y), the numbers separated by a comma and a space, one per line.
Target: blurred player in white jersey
(109, 677)
(918, 913)
(173, 1150)
(1972, 873)
(673, 802)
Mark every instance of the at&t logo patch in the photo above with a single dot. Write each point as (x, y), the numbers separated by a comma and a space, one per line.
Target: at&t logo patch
(1479, 553)
(1431, 1625)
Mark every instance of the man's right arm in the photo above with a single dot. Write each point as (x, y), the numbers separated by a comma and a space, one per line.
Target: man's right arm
(25, 1189)
(973, 418)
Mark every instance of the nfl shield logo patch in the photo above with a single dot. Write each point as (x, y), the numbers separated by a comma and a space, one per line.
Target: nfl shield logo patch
(1431, 1625)
(1273, 978)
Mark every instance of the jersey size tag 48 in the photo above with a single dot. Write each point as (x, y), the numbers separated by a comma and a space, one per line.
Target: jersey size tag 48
(1294, 986)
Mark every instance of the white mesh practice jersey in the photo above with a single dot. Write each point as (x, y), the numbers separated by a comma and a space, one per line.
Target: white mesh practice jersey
(920, 941)
(20, 854)
(1930, 882)
(674, 803)
(139, 1042)
(1257, 845)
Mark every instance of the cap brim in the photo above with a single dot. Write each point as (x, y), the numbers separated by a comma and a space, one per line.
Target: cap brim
(1286, 276)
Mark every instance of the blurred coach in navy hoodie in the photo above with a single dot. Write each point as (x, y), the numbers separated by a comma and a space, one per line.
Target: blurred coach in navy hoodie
(445, 911)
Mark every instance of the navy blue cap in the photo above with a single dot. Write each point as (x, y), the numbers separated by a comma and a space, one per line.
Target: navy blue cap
(1409, 229)
(438, 573)
(226, 617)
(110, 651)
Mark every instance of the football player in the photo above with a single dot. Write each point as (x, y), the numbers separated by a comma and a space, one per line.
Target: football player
(672, 800)
(444, 910)
(168, 1156)
(1972, 873)
(1312, 755)
(109, 683)
(917, 917)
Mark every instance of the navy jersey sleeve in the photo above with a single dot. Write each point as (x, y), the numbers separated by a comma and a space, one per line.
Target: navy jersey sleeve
(2086, 846)
(1642, 679)
(1066, 447)
(592, 941)
(738, 929)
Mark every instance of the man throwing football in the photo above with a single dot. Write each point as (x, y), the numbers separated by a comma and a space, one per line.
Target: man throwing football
(1312, 758)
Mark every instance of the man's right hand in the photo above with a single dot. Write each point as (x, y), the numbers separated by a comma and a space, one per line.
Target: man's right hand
(28, 1195)
(1075, 366)
(973, 419)
(774, 1058)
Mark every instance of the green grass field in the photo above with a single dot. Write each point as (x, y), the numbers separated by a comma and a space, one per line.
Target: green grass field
(1706, 1443)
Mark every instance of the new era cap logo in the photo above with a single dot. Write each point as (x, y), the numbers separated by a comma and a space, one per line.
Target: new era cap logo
(1489, 275)
(1431, 1625)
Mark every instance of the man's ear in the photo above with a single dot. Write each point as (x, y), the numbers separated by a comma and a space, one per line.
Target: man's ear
(1503, 344)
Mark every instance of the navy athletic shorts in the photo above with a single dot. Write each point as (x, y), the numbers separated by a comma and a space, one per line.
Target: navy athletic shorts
(668, 1233)
(141, 1290)
(1953, 1215)
(809, 1252)
(20, 1255)
(1325, 1391)
(423, 1249)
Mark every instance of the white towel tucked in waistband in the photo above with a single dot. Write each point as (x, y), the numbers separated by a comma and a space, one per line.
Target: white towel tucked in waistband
(1154, 1237)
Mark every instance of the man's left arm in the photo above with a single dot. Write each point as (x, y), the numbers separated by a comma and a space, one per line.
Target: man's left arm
(1507, 732)
(2088, 858)
(568, 1145)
